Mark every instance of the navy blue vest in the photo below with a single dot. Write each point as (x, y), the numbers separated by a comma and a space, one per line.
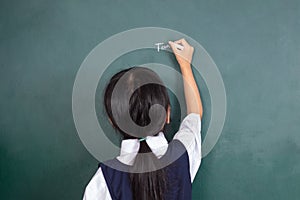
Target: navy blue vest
(178, 175)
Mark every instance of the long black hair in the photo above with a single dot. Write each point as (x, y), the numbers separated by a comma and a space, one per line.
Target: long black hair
(152, 184)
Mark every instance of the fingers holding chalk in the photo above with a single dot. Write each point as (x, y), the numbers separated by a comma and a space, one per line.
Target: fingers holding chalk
(182, 41)
(178, 46)
(185, 55)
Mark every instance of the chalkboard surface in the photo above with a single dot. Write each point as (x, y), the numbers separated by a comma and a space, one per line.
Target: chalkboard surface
(255, 44)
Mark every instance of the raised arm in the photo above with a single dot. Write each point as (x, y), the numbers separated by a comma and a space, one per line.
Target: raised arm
(191, 92)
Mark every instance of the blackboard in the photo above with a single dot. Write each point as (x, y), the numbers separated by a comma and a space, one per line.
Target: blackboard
(255, 45)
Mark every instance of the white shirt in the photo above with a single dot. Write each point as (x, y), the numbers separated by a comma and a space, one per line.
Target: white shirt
(188, 134)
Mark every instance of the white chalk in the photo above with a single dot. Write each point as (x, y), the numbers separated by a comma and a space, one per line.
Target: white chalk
(164, 46)
(178, 46)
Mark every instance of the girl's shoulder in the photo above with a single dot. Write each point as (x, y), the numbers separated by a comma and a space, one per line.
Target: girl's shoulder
(189, 134)
(189, 131)
(96, 189)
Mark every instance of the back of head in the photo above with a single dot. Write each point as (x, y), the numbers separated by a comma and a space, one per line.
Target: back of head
(137, 94)
(136, 102)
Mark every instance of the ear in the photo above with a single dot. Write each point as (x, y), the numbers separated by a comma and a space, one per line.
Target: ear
(168, 115)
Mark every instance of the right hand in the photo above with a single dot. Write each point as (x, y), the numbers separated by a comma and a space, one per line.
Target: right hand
(184, 57)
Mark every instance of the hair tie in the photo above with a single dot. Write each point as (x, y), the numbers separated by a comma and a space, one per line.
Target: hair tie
(142, 139)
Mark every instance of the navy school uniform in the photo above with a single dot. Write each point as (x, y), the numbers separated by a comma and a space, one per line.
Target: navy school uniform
(183, 154)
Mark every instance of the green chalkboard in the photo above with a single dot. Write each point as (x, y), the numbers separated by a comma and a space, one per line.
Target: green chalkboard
(255, 44)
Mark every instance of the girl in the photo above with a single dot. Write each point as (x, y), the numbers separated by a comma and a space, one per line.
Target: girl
(154, 168)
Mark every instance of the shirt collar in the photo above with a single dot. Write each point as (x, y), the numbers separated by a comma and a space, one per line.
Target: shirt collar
(130, 147)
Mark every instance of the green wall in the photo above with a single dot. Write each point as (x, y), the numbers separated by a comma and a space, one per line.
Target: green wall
(255, 44)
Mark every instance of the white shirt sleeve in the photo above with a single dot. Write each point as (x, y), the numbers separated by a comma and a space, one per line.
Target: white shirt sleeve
(189, 135)
(97, 189)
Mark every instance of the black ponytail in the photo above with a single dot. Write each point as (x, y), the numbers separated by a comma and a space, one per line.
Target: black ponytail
(149, 185)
